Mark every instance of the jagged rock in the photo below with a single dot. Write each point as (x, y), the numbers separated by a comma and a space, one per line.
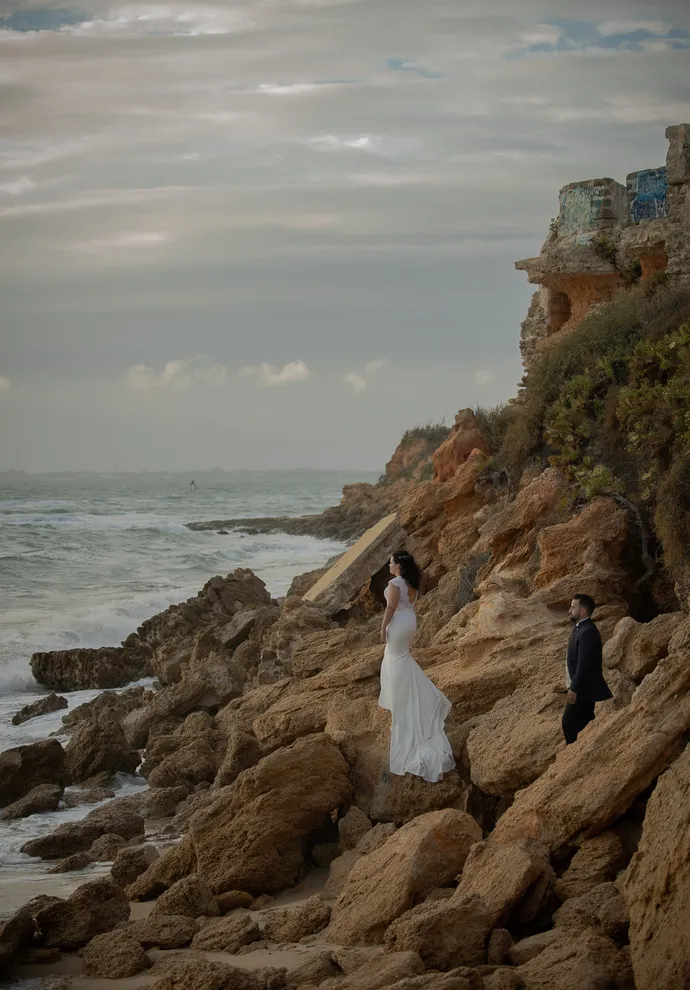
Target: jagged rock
(597, 861)
(50, 703)
(164, 931)
(341, 867)
(175, 701)
(426, 853)
(528, 948)
(187, 767)
(227, 934)
(465, 437)
(93, 908)
(636, 647)
(295, 923)
(313, 971)
(74, 837)
(77, 861)
(84, 669)
(106, 848)
(638, 741)
(578, 963)
(243, 751)
(99, 746)
(601, 908)
(114, 955)
(500, 944)
(177, 863)
(190, 896)
(252, 837)
(45, 797)
(657, 885)
(233, 899)
(352, 827)
(514, 881)
(446, 934)
(211, 663)
(189, 807)
(199, 974)
(131, 862)
(25, 767)
(388, 971)
(162, 802)
(75, 797)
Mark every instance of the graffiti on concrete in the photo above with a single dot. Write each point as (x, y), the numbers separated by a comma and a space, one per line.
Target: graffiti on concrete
(647, 194)
(592, 205)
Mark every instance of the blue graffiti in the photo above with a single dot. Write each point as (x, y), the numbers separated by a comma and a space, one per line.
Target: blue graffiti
(647, 194)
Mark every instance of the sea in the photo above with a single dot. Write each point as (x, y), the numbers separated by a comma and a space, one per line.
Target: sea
(84, 559)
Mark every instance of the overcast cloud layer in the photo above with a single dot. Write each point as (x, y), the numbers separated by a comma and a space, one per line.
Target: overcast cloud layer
(276, 233)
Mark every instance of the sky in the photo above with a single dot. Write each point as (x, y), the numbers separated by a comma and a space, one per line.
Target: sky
(277, 233)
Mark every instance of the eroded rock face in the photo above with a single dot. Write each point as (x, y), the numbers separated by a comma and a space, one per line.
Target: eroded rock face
(227, 934)
(164, 931)
(465, 436)
(426, 853)
(597, 861)
(25, 767)
(190, 897)
(445, 934)
(187, 767)
(114, 955)
(295, 923)
(98, 746)
(50, 703)
(95, 907)
(657, 885)
(45, 797)
(75, 837)
(84, 669)
(577, 963)
(131, 862)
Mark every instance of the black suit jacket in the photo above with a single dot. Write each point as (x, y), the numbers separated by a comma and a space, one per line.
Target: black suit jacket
(584, 663)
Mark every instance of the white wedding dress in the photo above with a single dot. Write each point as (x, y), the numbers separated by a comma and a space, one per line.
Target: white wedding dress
(419, 744)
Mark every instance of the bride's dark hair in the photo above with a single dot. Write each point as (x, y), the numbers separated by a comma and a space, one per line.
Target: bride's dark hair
(408, 568)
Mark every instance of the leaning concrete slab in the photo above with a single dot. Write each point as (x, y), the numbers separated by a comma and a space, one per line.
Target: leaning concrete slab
(364, 558)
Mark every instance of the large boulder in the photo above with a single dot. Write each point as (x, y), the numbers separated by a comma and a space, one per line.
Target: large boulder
(131, 861)
(426, 853)
(44, 706)
(16, 935)
(636, 647)
(253, 836)
(228, 934)
(45, 797)
(190, 897)
(98, 746)
(164, 931)
(580, 794)
(109, 705)
(188, 766)
(581, 962)
(657, 885)
(75, 837)
(25, 767)
(378, 971)
(597, 861)
(445, 934)
(200, 974)
(602, 908)
(114, 955)
(296, 923)
(93, 908)
(84, 669)
(242, 752)
(465, 437)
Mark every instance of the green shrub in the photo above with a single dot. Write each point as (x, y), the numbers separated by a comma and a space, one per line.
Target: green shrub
(493, 423)
(672, 516)
(432, 433)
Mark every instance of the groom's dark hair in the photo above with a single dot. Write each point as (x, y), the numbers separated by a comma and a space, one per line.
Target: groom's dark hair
(587, 603)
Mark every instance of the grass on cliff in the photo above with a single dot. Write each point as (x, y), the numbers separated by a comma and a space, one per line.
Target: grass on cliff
(610, 406)
(431, 433)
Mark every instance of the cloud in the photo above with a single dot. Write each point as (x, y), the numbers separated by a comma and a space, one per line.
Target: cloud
(268, 376)
(5, 384)
(360, 380)
(178, 375)
(484, 376)
(17, 187)
(125, 241)
(330, 142)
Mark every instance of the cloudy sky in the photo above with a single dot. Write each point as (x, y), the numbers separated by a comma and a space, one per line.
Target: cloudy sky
(275, 233)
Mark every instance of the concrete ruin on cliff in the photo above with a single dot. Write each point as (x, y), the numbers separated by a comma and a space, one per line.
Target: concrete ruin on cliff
(606, 235)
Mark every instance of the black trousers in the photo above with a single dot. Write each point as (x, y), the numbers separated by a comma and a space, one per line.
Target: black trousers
(575, 718)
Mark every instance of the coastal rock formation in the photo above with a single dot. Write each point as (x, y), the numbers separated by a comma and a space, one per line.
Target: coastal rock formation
(75, 837)
(99, 746)
(50, 703)
(95, 907)
(25, 767)
(465, 436)
(44, 797)
(114, 955)
(83, 669)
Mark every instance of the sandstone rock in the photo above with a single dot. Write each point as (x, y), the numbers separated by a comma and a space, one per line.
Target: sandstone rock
(528, 948)
(75, 797)
(161, 802)
(428, 852)
(77, 861)
(175, 701)
(597, 861)
(131, 862)
(465, 437)
(44, 797)
(187, 767)
(109, 705)
(211, 663)
(252, 837)
(503, 979)
(163, 931)
(45, 705)
(74, 837)
(25, 767)
(190, 896)
(199, 974)
(295, 923)
(227, 934)
(341, 867)
(657, 885)
(233, 899)
(312, 972)
(513, 881)
(352, 827)
(106, 848)
(580, 963)
(176, 863)
(186, 810)
(635, 647)
(15, 937)
(97, 746)
(323, 854)
(500, 943)
(93, 908)
(85, 669)
(601, 908)
(638, 741)
(387, 971)
(114, 955)
(243, 751)
(446, 934)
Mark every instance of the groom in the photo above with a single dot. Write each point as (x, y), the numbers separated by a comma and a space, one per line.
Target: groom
(584, 678)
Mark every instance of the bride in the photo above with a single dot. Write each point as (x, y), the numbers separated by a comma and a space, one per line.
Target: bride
(419, 744)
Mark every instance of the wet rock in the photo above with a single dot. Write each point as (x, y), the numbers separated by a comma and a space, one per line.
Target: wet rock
(99, 746)
(50, 703)
(25, 767)
(114, 955)
(74, 837)
(106, 848)
(85, 669)
(45, 797)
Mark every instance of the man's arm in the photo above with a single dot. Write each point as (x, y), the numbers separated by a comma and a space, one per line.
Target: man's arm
(588, 658)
